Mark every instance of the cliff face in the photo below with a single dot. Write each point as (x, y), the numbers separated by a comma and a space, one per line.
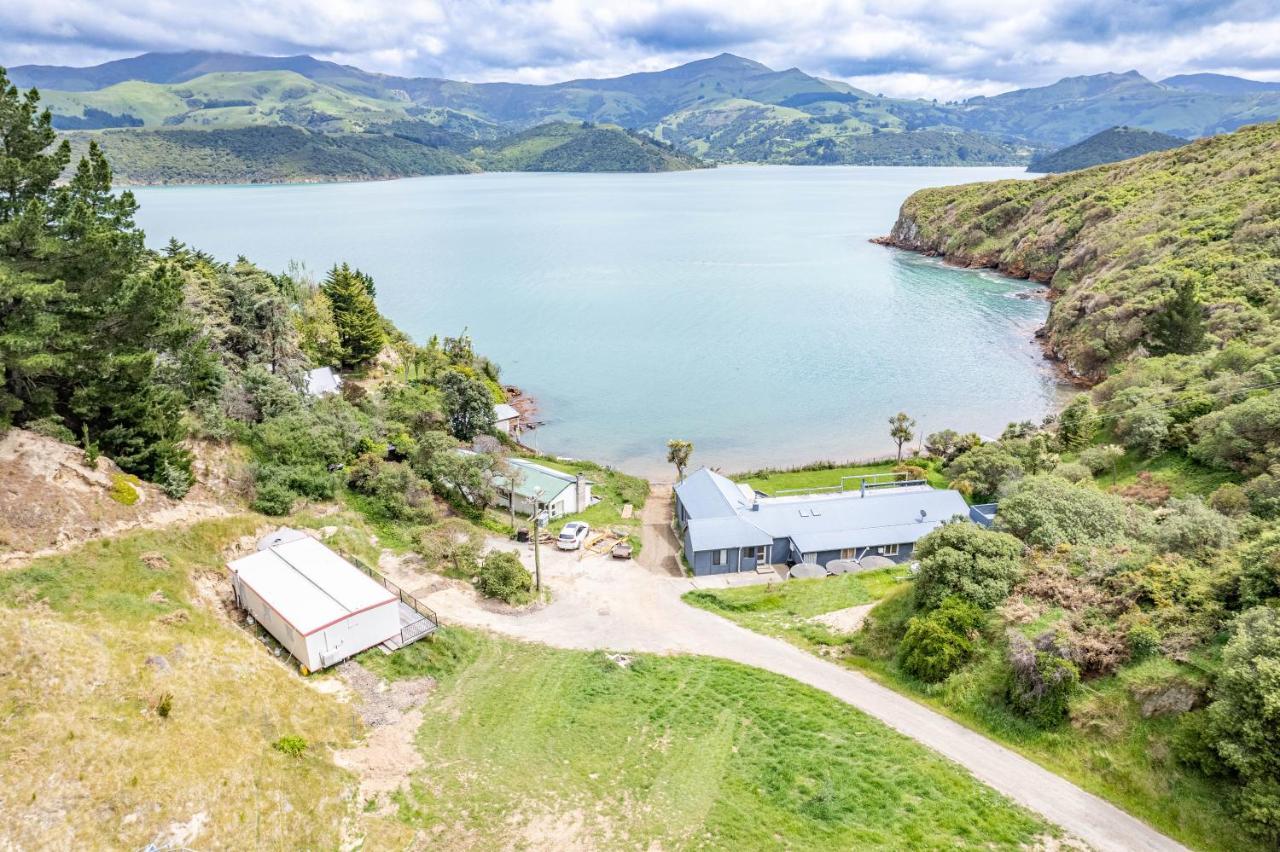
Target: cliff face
(1113, 241)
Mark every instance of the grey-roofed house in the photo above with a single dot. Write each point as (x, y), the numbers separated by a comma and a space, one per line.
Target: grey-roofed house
(728, 527)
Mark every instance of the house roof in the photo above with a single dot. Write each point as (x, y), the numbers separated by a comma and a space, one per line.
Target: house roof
(534, 476)
(721, 533)
(323, 380)
(502, 411)
(706, 494)
(849, 519)
(309, 585)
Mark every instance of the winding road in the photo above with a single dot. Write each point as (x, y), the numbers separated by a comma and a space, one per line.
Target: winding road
(600, 603)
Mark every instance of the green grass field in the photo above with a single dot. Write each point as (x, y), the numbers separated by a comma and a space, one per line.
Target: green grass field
(528, 745)
(783, 609)
(1109, 748)
(822, 476)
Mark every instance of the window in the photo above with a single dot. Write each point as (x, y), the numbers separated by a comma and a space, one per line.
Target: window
(849, 553)
(748, 553)
(717, 557)
(889, 550)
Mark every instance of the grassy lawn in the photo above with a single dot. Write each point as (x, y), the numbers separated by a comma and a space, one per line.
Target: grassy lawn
(94, 640)
(1183, 475)
(1109, 748)
(529, 745)
(821, 476)
(783, 609)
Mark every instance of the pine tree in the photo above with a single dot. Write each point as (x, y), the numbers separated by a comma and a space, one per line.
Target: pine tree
(1179, 328)
(360, 328)
(1077, 423)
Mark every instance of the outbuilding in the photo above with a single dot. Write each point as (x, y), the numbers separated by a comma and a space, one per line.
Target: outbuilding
(316, 604)
(506, 419)
(323, 381)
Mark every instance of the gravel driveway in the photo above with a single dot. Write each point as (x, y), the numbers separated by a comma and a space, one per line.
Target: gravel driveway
(601, 603)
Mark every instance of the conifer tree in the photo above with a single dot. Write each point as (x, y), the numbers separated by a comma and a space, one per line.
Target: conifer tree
(360, 329)
(1179, 328)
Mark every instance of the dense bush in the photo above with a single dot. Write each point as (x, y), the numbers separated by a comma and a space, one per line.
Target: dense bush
(1077, 423)
(986, 468)
(1190, 528)
(1040, 684)
(1047, 511)
(1260, 569)
(396, 491)
(966, 561)
(1244, 718)
(939, 642)
(1073, 472)
(1244, 436)
(502, 576)
(1101, 458)
(1263, 493)
(1231, 500)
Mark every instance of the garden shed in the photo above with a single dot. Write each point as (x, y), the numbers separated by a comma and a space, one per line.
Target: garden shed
(316, 604)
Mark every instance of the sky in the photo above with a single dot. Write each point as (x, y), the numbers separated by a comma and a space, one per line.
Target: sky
(945, 49)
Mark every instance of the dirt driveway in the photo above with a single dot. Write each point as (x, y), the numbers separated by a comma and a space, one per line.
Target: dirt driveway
(601, 603)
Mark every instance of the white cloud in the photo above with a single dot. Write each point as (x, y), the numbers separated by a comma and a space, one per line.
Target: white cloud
(927, 48)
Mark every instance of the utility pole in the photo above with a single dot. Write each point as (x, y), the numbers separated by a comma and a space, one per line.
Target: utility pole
(537, 522)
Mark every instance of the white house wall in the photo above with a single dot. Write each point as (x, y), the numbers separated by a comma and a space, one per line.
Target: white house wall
(354, 634)
(293, 641)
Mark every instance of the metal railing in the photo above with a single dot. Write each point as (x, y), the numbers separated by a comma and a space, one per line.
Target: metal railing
(409, 631)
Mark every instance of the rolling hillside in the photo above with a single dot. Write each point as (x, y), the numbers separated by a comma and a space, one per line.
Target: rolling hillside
(1109, 146)
(1115, 242)
(281, 154)
(723, 109)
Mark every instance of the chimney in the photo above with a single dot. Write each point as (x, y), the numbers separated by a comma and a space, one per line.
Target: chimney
(582, 491)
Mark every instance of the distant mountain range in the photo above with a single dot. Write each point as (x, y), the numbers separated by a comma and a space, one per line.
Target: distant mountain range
(1109, 146)
(722, 109)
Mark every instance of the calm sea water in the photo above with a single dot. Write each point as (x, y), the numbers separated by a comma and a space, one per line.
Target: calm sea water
(740, 308)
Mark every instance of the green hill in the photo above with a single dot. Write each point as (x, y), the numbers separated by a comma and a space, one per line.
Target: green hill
(582, 147)
(265, 155)
(1109, 146)
(1114, 242)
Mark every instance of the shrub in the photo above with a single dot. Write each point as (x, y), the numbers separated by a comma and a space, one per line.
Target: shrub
(396, 491)
(1189, 527)
(1047, 511)
(1143, 639)
(51, 427)
(1260, 569)
(986, 468)
(273, 497)
(969, 562)
(1263, 493)
(940, 642)
(291, 745)
(1040, 684)
(1230, 499)
(502, 576)
(1073, 472)
(164, 705)
(452, 544)
(1077, 423)
(1244, 718)
(122, 490)
(1101, 458)
(1244, 436)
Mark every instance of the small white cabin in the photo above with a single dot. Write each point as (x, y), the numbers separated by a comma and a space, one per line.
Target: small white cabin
(506, 419)
(316, 604)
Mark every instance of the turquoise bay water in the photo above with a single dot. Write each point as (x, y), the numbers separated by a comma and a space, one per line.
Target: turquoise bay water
(741, 308)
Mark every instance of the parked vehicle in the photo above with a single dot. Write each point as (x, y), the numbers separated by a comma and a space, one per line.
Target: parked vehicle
(573, 535)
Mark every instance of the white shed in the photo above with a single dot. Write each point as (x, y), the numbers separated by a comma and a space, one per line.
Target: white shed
(317, 604)
(506, 419)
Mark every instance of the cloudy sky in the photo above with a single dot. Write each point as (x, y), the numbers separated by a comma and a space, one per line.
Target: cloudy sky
(935, 48)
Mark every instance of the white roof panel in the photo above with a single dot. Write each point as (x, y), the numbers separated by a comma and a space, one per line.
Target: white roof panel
(502, 411)
(309, 585)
